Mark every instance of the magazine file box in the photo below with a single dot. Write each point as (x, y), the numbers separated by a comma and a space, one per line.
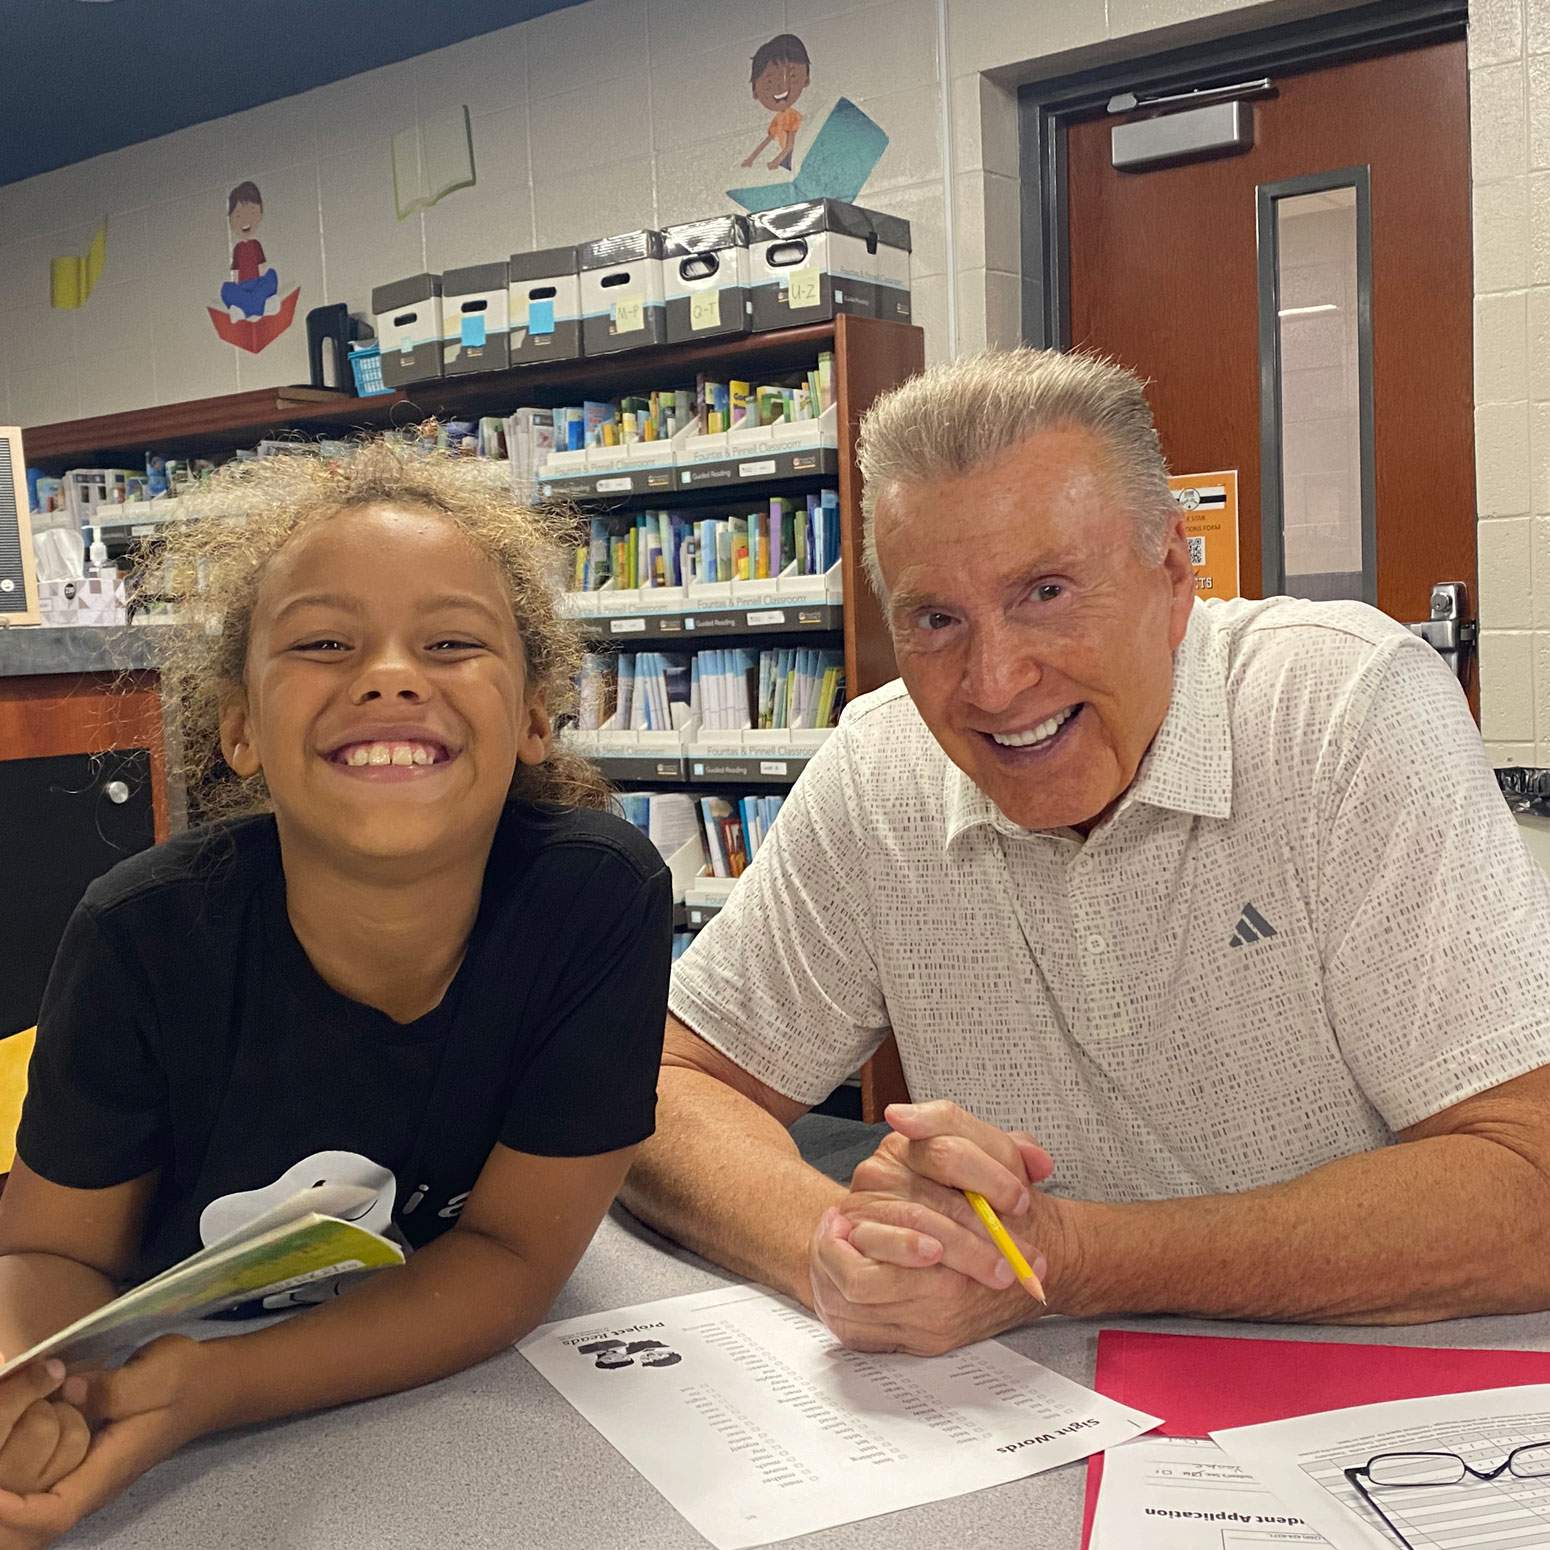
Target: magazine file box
(545, 306)
(408, 318)
(705, 278)
(474, 312)
(811, 261)
(622, 306)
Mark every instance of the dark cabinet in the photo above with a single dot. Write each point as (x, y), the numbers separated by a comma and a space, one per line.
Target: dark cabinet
(64, 820)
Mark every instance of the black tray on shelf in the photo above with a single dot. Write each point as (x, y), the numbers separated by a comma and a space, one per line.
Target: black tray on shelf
(691, 478)
(697, 624)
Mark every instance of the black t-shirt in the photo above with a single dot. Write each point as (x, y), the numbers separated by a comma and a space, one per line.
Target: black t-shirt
(184, 1029)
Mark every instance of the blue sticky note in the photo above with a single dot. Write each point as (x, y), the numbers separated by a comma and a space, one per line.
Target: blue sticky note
(473, 329)
(540, 316)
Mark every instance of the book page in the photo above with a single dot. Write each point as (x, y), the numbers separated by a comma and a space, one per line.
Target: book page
(447, 152)
(756, 1424)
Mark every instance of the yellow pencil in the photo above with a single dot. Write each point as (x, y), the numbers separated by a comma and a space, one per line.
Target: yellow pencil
(1003, 1241)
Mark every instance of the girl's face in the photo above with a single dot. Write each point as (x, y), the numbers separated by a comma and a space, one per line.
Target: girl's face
(386, 699)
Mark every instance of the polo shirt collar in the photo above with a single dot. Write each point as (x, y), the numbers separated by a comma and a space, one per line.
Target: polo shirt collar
(1188, 768)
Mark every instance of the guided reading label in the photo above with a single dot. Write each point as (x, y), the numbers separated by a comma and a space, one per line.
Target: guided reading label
(705, 309)
(772, 766)
(767, 616)
(627, 626)
(616, 486)
(803, 289)
(753, 470)
(629, 315)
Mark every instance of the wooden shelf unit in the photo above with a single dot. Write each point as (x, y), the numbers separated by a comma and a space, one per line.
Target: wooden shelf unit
(871, 356)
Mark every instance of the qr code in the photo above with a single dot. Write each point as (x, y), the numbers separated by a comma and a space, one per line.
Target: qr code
(1197, 551)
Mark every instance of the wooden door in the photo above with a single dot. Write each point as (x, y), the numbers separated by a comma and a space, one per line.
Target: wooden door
(1165, 277)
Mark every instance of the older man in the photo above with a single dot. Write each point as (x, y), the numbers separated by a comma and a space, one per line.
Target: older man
(1207, 918)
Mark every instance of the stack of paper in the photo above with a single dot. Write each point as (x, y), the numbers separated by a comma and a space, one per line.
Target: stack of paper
(1180, 1491)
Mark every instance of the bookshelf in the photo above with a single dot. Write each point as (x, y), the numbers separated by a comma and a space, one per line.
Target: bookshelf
(870, 356)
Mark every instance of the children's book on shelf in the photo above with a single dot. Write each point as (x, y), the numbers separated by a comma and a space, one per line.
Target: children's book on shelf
(721, 689)
(306, 1239)
(786, 535)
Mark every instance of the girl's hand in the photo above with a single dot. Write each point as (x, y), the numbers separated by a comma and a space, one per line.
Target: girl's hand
(143, 1412)
(44, 1437)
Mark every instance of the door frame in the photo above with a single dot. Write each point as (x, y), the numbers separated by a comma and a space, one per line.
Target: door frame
(1045, 109)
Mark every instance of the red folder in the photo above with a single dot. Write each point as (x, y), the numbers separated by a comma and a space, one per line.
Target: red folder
(1202, 1383)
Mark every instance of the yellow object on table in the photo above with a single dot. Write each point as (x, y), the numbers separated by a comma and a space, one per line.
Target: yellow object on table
(15, 1052)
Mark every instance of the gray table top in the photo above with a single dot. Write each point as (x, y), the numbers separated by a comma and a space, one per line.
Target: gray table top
(27, 651)
(494, 1459)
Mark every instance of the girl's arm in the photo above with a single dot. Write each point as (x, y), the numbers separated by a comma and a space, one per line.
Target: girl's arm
(61, 1251)
(468, 1295)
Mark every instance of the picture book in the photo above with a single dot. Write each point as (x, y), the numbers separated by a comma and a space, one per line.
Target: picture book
(307, 1238)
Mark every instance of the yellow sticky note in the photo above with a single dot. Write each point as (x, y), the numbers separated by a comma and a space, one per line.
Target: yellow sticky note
(705, 309)
(629, 315)
(803, 289)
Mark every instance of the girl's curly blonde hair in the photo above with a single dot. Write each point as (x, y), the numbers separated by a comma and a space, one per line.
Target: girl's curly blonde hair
(212, 565)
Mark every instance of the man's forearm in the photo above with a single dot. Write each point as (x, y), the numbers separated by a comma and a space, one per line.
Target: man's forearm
(42, 1293)
(1432, 1229)
(723, 1177)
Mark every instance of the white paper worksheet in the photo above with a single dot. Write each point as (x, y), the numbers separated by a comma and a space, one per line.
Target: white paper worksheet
(1303, 1462)
(1184, 1493)
(756, 1424)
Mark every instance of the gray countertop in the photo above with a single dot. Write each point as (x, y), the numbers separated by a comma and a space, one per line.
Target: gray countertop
(494, 1459)
(31, 650)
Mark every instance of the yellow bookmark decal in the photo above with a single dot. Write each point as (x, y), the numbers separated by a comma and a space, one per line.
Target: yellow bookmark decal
(71, 280)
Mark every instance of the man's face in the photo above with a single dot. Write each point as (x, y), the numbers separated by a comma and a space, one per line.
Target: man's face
(1035, 643)
(780, 84)
(244, 219)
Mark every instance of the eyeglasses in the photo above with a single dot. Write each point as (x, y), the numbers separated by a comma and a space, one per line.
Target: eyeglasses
(1408, 1470)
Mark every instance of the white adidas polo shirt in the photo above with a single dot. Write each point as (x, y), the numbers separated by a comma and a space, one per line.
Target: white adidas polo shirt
(1309, 923)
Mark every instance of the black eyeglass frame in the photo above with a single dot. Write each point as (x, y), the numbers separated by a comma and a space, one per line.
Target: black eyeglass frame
(1354, 1475)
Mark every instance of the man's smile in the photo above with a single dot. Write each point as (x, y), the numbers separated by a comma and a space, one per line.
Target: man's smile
(1019, 745)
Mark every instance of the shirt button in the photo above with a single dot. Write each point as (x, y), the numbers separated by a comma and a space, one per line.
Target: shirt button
(1096, 944)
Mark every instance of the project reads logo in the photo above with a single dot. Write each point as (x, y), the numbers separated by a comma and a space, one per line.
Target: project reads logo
(1251, 927)
(610, 1355)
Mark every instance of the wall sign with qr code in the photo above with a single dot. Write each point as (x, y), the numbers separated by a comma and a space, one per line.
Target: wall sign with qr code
(1210, 506)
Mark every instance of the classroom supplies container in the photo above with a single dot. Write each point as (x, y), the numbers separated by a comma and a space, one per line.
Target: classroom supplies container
(366, 368)
(811, 261)
(408, 314)
(545, 306)
(474, 306)
(622, 306)
(705, 278)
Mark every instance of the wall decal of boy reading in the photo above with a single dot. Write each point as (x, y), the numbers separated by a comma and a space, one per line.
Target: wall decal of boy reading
(780, 74)
(252, 317)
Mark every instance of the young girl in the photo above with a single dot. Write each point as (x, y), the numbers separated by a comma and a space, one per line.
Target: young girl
(417, 955)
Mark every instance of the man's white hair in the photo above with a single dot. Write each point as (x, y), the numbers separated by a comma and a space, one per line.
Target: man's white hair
(966, 413)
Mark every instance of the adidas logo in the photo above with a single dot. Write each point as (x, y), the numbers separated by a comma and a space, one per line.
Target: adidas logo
(1252, 926)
